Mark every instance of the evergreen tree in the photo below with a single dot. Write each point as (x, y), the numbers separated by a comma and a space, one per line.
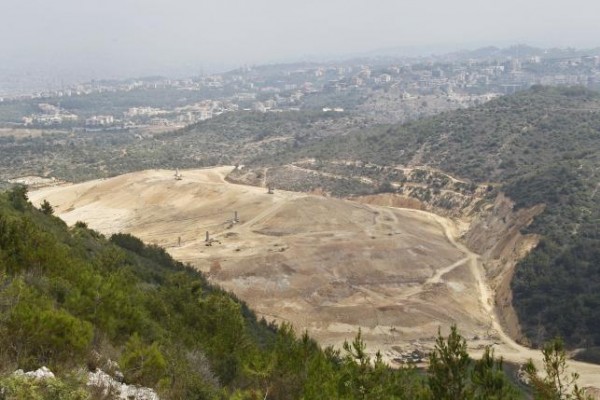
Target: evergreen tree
(18, 197)
(452, 374)
(449, 367)
(556, 383)
(489, 380)
(46, 208)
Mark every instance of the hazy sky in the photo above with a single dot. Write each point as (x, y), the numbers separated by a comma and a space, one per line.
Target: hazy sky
(136, 37)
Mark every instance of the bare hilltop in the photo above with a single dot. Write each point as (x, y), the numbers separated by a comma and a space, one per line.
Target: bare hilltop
(329, 266)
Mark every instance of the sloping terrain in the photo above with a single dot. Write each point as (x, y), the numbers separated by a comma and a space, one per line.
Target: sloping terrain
(98, 318)
(75, 301)
(540, 148)
(326, 265)
(226, 139)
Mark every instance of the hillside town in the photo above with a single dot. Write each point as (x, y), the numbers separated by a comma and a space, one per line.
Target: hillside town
(454, 80)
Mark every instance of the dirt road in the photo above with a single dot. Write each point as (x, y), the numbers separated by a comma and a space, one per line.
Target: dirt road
(506, 346)
(326, 265)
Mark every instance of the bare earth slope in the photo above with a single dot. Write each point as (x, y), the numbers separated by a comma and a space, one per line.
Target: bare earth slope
(326, 265)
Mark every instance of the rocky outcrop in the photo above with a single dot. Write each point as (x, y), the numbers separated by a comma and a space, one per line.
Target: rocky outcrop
(99, 383)
(105, 385)
(105, 380)
(40, 373)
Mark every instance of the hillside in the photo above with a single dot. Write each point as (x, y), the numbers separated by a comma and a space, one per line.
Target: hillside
(67, 293)
(75, 301)
(70, 293)
(539, 147)
(224, 140)
(328, 266)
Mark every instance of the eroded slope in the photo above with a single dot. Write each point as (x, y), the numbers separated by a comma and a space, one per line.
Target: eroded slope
(326, 265)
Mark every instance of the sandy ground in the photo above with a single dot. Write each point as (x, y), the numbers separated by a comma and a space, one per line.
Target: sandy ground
(326, 265)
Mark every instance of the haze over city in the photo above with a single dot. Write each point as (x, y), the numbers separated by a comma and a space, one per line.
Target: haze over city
(113, 38)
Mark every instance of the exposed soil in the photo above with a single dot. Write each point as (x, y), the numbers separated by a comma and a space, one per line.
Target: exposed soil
(326, 265)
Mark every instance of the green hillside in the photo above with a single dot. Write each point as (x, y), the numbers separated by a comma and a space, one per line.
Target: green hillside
(71, 299)
(224, 140)
(541, 146)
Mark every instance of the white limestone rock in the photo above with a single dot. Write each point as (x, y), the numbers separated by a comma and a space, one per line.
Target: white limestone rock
(40, 373)
(110, 386)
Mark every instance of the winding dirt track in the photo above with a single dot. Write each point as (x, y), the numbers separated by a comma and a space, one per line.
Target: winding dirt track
(326, 265)
(507, 347)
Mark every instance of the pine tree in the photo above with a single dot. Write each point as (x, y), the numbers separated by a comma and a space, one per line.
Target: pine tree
(46, 208)
(557, 383)
(449, 367)
(489, 380)
(454, 375)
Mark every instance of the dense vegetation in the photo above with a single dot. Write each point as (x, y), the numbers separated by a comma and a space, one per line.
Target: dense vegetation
(71, 295)
(541, 146)
(227, 139)
(66, 292)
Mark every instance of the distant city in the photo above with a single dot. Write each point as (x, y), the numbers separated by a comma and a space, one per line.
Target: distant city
(461, 79)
